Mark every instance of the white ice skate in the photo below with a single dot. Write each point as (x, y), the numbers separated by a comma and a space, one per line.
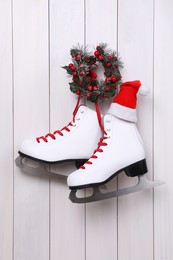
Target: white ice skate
(121, 149)
(68, 144)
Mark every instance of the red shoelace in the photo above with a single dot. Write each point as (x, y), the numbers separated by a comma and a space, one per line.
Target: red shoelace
(94, 156)
(66, 128)
(44, 138)
(52, 135)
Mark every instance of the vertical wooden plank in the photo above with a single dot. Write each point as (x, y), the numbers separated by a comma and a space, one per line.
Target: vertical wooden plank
(101, 217)
(67, 221)
(31, 83)
(6, 134)
(135, 43)
(163, 128)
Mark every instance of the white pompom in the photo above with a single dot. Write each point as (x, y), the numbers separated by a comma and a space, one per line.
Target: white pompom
(144, 91)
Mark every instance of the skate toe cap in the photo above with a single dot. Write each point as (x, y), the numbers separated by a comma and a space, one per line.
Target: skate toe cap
(27, 147)
(76, 179)
(81, 179)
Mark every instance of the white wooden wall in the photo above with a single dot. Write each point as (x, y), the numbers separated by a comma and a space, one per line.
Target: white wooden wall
(37, 220)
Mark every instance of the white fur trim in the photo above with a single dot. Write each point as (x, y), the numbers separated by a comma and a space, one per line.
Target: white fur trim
(144, 90)
(126, 113)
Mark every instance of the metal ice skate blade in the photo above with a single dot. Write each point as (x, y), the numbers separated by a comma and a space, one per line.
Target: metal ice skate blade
(143, 184)
(39, 170)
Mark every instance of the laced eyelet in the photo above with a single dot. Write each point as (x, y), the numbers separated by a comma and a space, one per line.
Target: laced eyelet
(52, 135)
(98, 150)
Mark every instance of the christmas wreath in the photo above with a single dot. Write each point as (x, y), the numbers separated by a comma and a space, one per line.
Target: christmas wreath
(83, 72)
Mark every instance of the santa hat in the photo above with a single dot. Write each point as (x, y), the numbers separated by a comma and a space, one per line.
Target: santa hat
(124, 104)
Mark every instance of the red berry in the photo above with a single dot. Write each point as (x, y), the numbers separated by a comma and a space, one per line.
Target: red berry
(81, 66)
(74, 74)
(77, 92)
(80, 83)
(107, 88)
(108, 64)
(100, 57)
(96, 53)
(89, 87)
(82, 73)
(75, 79)
(109, 57)
(78, 57)
(92, 74)
(95, 88)
(116, 66)
(113, 79)
(88, 94)
(70, 65)
(108, 79)
(98, 48)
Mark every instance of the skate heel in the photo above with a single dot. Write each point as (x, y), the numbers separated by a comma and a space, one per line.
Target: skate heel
(136, 169)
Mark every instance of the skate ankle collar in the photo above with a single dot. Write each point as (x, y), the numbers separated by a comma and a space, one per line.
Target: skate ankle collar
(122, 112)
(68, 128)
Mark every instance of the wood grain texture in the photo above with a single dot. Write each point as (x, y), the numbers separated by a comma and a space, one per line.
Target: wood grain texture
(6, 133)
(163, 127)
(101, 217)
(67, 223)
(31, 101)
(135, 44)
(35, 40)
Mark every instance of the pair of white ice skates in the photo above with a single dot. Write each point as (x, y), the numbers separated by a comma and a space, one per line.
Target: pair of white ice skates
(119, 149)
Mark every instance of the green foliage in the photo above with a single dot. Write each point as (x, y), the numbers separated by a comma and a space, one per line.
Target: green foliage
(84, 78)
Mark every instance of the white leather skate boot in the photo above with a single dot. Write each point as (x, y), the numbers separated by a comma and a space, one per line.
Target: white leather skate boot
(69, 143)
(121, 149)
